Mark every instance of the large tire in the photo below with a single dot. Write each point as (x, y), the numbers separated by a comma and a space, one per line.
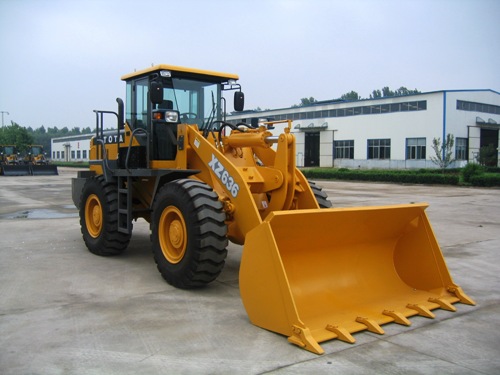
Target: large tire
(99, 218)
(188, 233)
(320, 195)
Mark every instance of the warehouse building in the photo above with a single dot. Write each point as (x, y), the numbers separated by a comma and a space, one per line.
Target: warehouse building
(393, 132)
(71, 148)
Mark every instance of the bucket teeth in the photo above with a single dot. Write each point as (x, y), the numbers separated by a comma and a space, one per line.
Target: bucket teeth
(462, 297)
(421, 310)
(371, 325)
(342, 333)
(398, 317)
(445, 305)
(302, 337)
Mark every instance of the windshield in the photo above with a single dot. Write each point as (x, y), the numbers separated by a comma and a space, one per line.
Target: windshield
(35, 150)
(198, 102)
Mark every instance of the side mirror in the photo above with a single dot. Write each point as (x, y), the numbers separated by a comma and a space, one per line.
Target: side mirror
(156, 93)
(239, 101)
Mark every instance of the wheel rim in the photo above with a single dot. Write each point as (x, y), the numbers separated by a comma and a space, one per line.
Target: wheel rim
(172, 234)
(93, 215)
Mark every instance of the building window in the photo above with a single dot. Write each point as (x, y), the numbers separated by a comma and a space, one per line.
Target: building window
(461, 149)
(379, 149)
(415, 148)
(58, 155)
(353, 111)
(62, 154)
(78, 154)
(84, 154)
(478, 107)
(343, 149)
(73, 154)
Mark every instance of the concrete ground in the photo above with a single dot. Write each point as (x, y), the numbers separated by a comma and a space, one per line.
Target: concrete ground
(66, 311)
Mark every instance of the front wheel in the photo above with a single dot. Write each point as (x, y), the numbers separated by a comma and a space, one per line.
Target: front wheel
(188, 233)
(320, 195)
(99, 218)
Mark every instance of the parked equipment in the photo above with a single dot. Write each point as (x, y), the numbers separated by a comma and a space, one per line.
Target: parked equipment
(10, 162)
(38, 162)
(308, 271)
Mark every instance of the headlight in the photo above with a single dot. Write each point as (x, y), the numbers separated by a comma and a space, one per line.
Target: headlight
(172, 116)
(166, 116)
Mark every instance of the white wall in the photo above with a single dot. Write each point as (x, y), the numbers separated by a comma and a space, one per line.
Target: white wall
(397, 126)
(66, 145)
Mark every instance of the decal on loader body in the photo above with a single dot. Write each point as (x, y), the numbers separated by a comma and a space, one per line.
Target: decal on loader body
(224, 176)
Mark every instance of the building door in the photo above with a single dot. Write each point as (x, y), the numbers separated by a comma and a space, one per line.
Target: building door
(311, 157)
(67, 150)
(489, 146)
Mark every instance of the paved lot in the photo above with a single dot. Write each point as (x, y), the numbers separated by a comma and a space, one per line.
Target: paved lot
(66, 311)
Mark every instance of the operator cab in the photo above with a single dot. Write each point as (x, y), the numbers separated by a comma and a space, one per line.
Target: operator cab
(163, 96)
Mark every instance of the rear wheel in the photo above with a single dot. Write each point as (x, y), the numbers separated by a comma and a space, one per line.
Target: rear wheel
(188, 233)
(99, 218)
(320, 195)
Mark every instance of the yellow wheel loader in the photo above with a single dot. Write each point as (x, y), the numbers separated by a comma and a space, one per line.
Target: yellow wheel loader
(308, 271)
(10, 162)
(38, 163)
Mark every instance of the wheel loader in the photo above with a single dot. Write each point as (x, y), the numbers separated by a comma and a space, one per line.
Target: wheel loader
(10, 162)
(308, 271)
(38, 163)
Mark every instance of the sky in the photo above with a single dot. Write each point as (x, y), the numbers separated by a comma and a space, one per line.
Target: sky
(60, 60)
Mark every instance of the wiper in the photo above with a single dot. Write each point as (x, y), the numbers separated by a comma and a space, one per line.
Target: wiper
(208, 125)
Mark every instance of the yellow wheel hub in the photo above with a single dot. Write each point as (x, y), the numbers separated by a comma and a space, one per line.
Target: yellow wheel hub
(172, 234)
(93, 215)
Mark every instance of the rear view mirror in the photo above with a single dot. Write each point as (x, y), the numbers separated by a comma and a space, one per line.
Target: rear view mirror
(156, 93)
(239, 101)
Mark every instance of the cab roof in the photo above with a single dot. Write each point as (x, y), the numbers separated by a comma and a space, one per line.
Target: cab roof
(183, 71)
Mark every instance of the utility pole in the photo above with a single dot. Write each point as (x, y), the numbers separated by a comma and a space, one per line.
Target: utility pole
(2, 115)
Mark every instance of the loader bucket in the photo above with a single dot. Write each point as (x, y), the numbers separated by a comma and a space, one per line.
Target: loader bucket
(316, 275)
(44, 170)
(16, 170)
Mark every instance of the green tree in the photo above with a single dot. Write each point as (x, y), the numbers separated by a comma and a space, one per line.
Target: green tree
(387, 92)
(353, 95)
(305, 101)
(376, 94)
(15, 135)
(487, 156)
(404, 91)
(443, 151)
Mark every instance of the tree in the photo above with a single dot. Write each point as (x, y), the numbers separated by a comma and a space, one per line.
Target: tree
(353, 95)
(387, 92)
(443, 151)
(487, 156)
(305, 101)
(376, 94)
(15, 135)
(404, 91)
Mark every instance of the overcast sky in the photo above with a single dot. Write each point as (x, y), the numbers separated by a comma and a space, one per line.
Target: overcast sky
(62, 59)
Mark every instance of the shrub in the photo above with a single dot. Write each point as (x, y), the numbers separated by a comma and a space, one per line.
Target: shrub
(397, 176)
(471, 170)
(486, 179)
